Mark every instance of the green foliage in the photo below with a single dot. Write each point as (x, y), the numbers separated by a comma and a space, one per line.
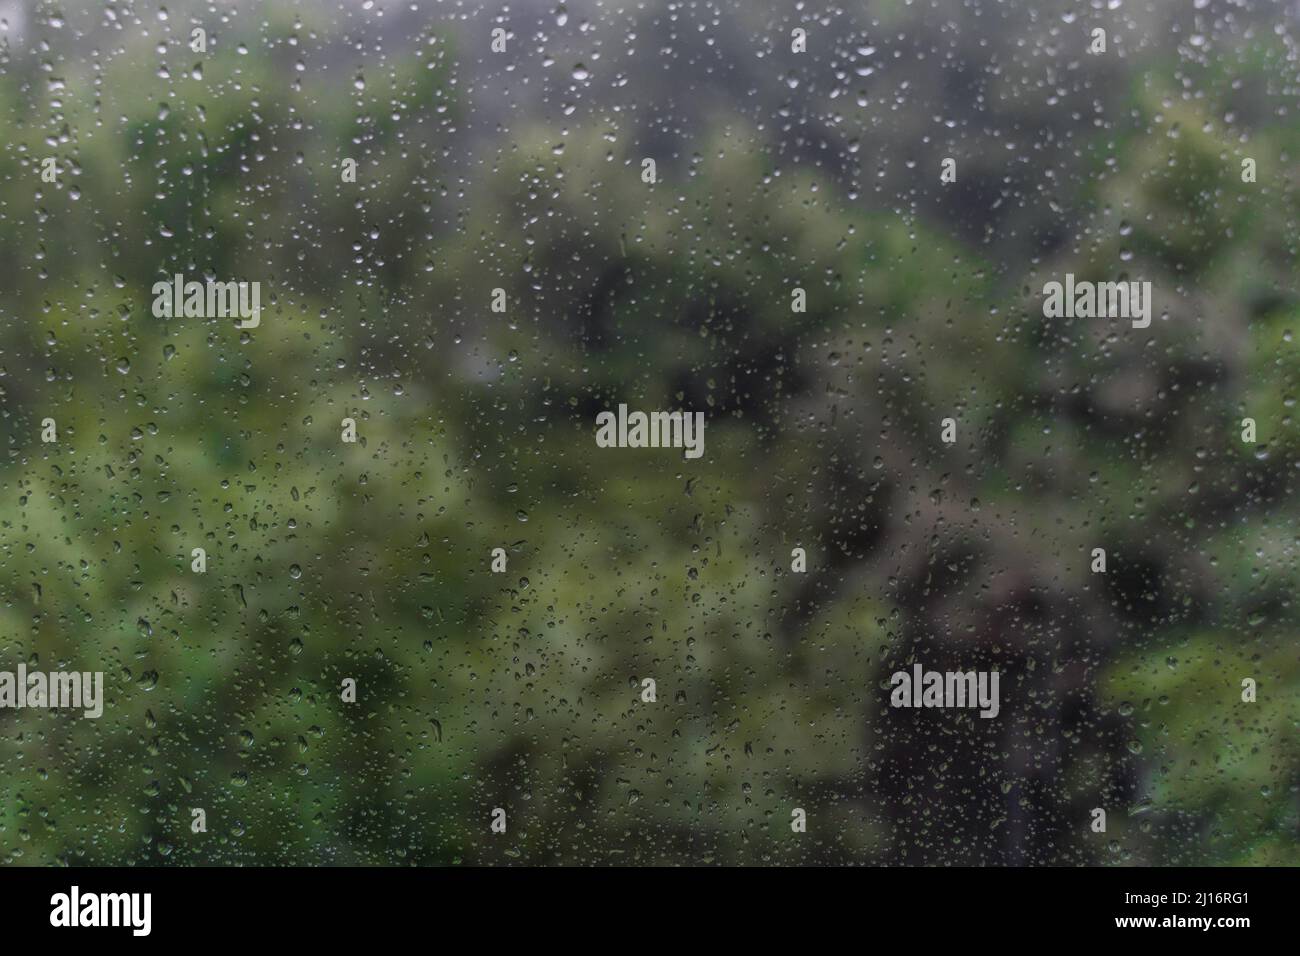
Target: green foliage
(522, 690)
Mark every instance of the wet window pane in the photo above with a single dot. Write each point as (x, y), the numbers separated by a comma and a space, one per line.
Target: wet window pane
(659, 433)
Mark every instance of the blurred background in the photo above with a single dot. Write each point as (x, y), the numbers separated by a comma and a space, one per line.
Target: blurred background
(522, 171)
